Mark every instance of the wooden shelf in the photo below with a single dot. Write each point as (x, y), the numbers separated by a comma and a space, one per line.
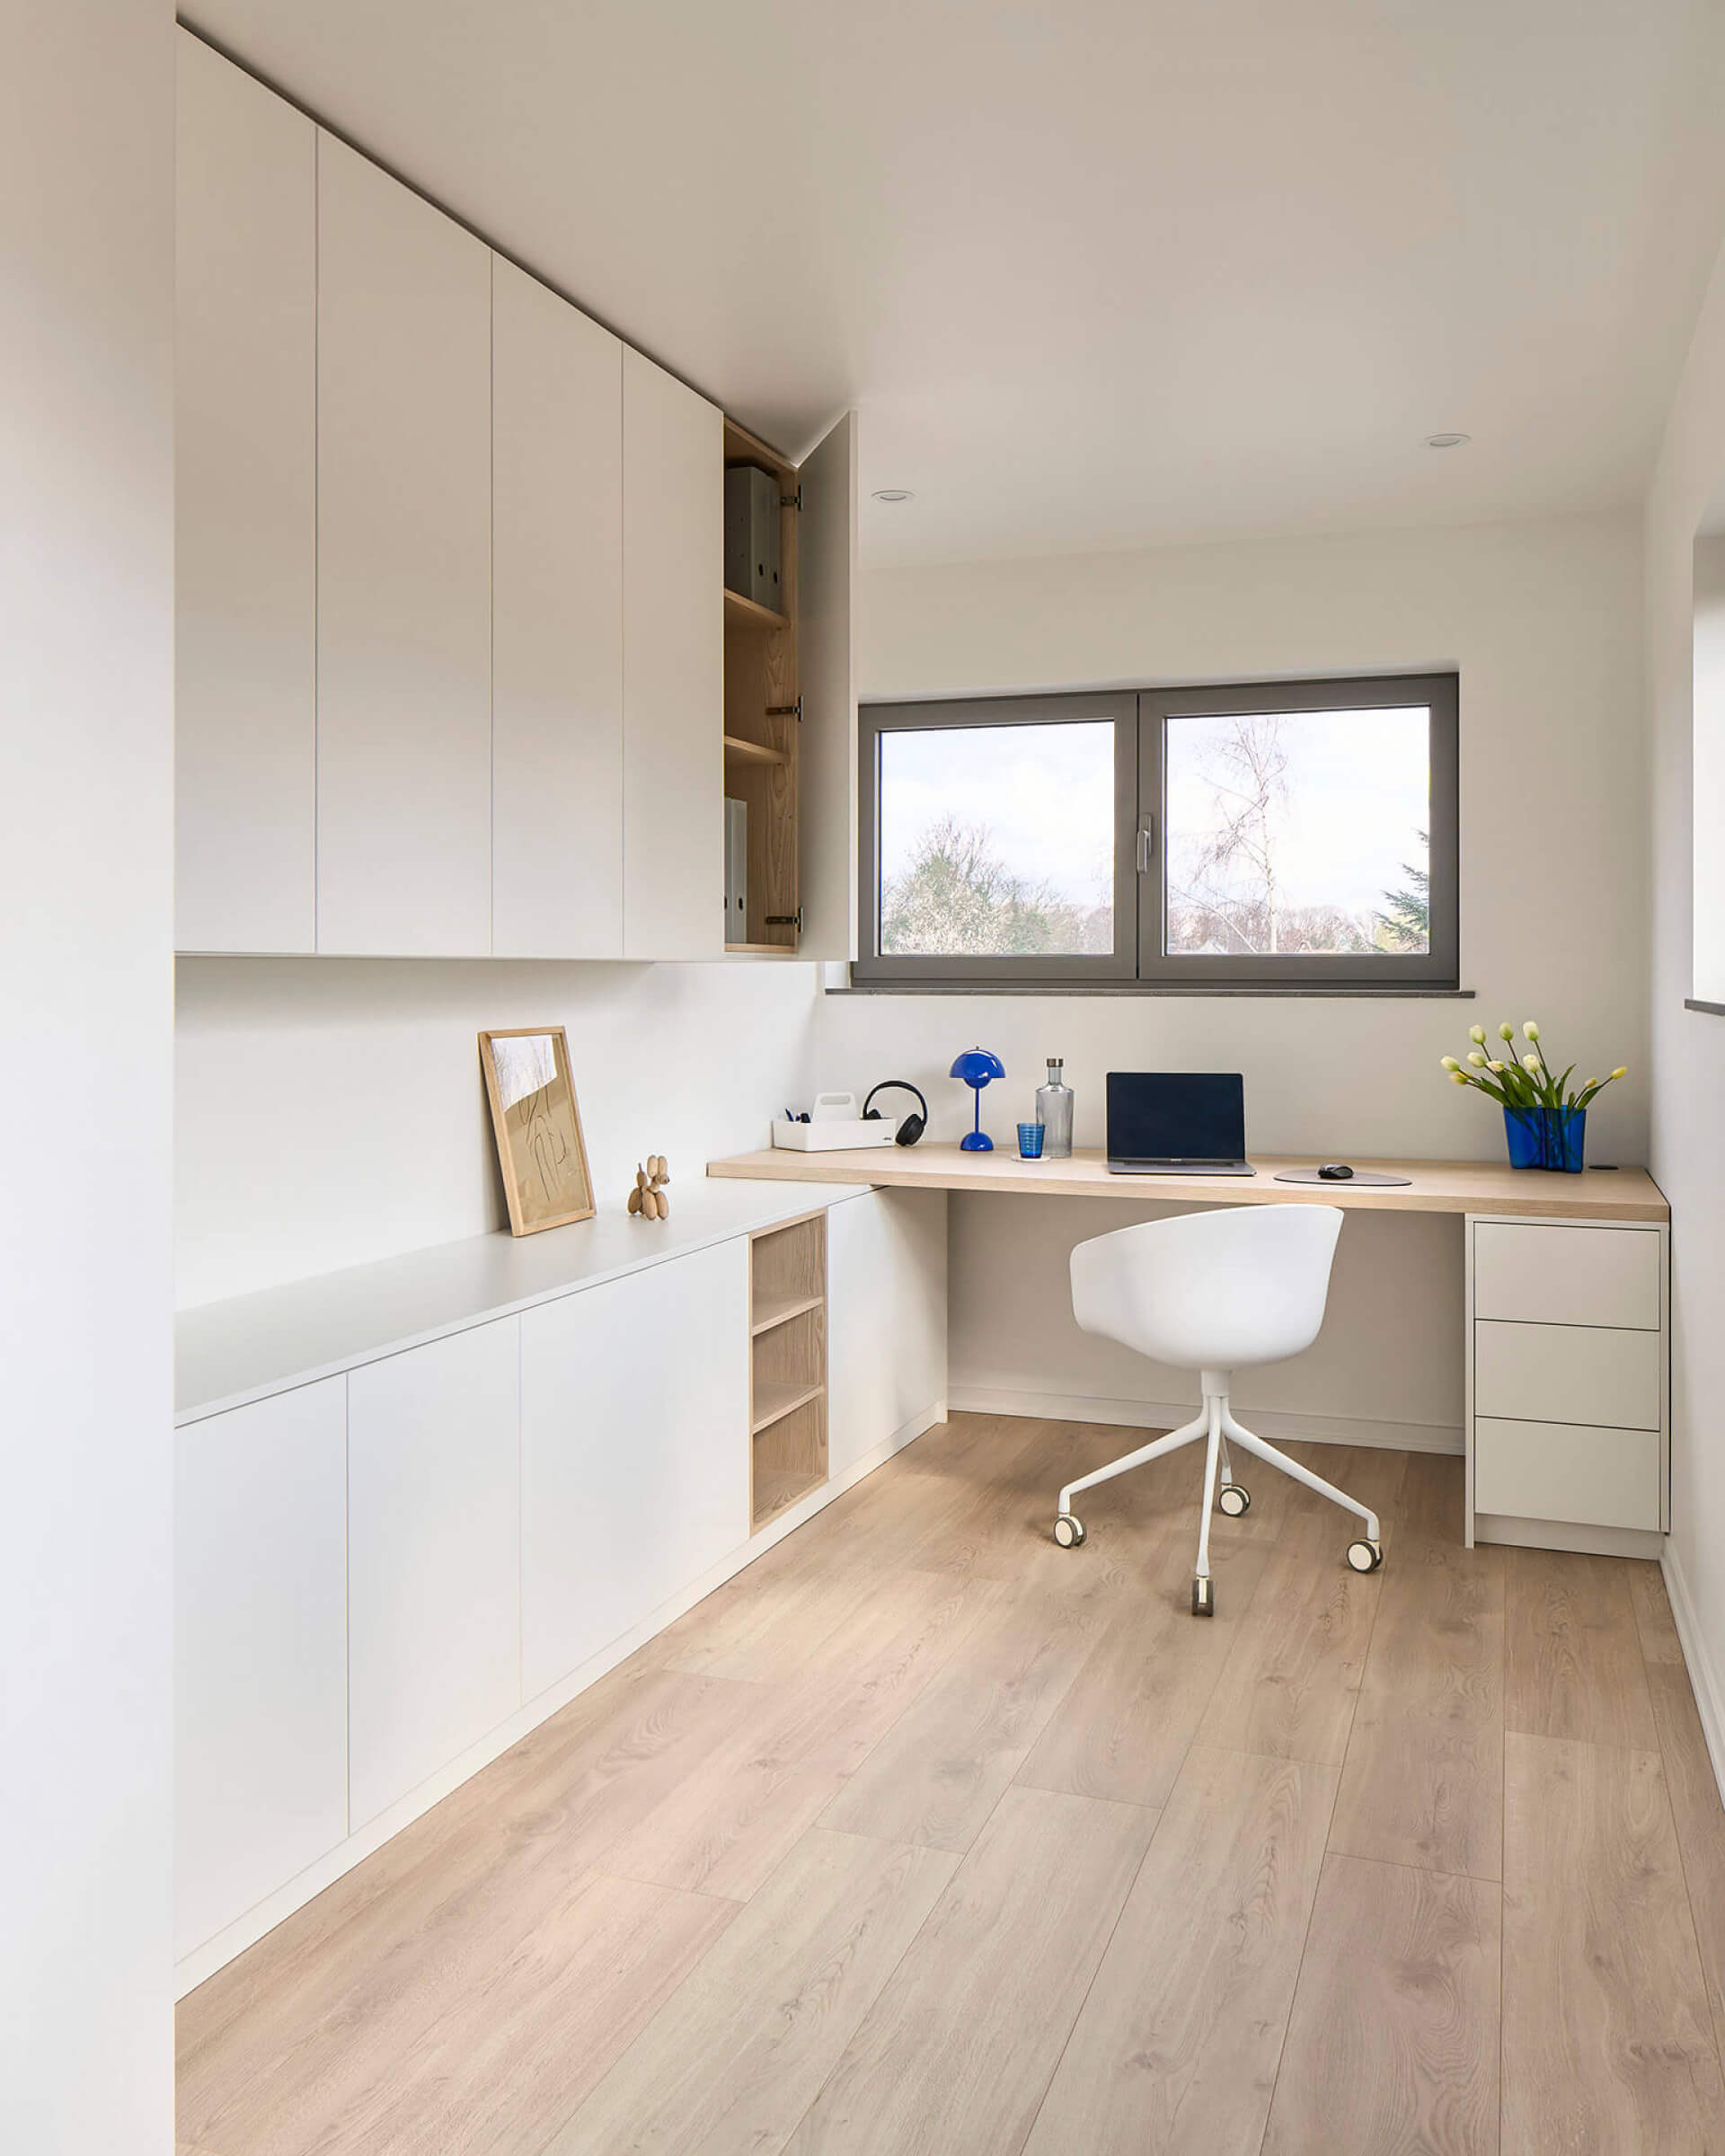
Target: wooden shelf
(773, 1493)
(773, 1403)
(739, 751)
(779, 1310)
(761, 951)
(745, 614)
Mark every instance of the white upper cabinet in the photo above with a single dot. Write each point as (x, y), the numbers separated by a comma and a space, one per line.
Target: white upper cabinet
(827, 749)
(245, 434)
(403, 570)
(556, 626)
(673, 668)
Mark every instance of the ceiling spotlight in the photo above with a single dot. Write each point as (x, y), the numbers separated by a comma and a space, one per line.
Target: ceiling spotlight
(894, 494)
(1447, 441)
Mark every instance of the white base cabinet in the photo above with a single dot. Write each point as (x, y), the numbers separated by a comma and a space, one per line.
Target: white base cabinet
(261, 1651)
(886, 1333)
(635, 1451)
(387, 1575)
(434, 1498)
(1568, 1384)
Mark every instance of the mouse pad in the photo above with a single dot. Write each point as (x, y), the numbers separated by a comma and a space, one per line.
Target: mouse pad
(1367, 1177)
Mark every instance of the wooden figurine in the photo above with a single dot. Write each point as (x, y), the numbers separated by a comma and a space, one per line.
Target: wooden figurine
(648, 1197)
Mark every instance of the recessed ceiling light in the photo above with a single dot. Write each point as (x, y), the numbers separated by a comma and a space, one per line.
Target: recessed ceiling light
(894, 494)
(1447, 441)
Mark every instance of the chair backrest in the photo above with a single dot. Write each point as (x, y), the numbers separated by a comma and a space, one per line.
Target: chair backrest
(1210, 1291)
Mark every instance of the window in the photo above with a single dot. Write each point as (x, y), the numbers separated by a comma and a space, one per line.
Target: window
(1276, 835)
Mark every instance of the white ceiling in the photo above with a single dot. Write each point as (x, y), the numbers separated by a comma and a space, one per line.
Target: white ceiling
(1098, 273)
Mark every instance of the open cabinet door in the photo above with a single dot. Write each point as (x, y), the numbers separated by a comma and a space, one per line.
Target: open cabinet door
(826, 811)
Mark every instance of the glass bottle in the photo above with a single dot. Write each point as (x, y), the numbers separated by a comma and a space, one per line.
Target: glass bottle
(1054, 1113)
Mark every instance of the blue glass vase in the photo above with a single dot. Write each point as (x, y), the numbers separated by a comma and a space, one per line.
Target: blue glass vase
(1546, 1137)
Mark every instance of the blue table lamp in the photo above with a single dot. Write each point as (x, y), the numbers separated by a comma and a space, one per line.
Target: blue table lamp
(978, 1067)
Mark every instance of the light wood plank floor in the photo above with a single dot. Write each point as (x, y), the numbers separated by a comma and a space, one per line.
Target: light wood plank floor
(923, 1835)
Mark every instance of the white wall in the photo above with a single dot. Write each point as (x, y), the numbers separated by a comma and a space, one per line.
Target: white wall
(1544, 622)
(330, 1111)
(86, 623)
(1688, 1047)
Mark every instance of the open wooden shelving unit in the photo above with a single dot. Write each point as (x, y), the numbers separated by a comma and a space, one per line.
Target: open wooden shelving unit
(787, 1378)
(762, 691)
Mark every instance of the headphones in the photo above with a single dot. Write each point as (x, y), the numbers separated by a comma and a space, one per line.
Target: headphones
(913, 1127)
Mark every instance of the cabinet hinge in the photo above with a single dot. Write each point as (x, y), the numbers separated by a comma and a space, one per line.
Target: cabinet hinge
(791, 502)
(785, 920)
(787, 710)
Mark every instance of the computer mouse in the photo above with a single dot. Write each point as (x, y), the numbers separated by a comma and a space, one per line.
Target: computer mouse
(1336, 1172)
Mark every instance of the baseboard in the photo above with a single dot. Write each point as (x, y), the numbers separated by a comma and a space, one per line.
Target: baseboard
(1278, 1425)
(1575, 1536)
(1704, 1678)
(203, 1961)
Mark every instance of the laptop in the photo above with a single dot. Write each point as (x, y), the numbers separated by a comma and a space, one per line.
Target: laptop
(1177, 1122)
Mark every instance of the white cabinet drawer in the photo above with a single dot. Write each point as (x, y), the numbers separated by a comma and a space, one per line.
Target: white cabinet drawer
(1549, 1470)
(1558, 1276)
(1567, 1374)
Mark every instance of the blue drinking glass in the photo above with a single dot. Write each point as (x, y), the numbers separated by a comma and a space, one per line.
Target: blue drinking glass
(1030, 1141)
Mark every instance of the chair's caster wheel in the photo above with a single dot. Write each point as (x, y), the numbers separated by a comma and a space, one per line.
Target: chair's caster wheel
(1203, 1597)
(1365, 1557)
(1068, 1532)
(1234, 1500)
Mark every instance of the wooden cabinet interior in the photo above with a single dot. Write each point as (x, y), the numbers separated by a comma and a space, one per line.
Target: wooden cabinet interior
(788, 1366)
(762, 689)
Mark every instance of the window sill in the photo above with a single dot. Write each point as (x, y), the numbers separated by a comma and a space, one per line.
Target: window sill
(1696, 1002)
(1380, 990)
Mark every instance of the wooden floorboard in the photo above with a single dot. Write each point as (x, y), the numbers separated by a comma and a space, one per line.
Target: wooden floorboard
(1177, 2042)
(1607, 2040)
(955, 2053)
(925, 1834)
(1392, 2043)
(1423, 1778)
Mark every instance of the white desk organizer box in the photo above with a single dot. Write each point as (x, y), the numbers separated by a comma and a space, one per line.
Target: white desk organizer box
(835, 1126)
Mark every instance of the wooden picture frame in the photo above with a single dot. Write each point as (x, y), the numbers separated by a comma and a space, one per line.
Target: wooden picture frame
(538, 1125)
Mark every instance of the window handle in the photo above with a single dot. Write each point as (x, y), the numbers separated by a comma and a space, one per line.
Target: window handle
(1146, 844)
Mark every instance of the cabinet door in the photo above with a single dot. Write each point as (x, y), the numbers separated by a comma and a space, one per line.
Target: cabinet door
(556, 626)
(244, 478)
(635, 1450)
(403, 570)
(260, 1645)
(673, 668)
(434, 1495)
(827, 747)
(886, 1318)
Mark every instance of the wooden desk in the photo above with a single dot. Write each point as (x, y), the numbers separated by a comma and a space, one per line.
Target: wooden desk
(1566, 1422)
(1488, 1186)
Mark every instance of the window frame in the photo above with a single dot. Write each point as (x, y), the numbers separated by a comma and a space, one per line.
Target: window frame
(1140, 826)
(1049, 968)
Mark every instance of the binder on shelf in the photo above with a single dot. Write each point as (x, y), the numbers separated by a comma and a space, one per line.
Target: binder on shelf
(736, 870)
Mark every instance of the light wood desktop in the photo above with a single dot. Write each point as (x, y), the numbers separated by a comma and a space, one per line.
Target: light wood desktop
(1488, 1186)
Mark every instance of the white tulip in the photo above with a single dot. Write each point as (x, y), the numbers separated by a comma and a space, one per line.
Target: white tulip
(1505, 1032)
(1476, 1033)
(1621, 1071)
(1449, 1063)
(1477, 1060)
(1530, 1064)
(1531, 1030)
(1458, 1077)
(1495, 1068)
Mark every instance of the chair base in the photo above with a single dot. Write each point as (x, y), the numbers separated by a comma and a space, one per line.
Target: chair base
(1215, 1425)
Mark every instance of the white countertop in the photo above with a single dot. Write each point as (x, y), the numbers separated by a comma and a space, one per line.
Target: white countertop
(228, 1353)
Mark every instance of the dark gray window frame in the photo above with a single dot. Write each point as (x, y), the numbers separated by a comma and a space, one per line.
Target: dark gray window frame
(1140, 821)
(874, 720)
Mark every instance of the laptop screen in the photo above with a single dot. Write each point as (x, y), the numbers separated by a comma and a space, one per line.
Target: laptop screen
(1176, 1115)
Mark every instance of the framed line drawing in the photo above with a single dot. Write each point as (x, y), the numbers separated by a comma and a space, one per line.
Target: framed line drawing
(538, 1128)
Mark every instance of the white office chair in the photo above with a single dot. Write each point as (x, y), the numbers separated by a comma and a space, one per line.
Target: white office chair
(1213, 1290)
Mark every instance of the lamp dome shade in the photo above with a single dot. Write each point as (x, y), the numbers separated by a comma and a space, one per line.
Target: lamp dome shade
(977, 1067)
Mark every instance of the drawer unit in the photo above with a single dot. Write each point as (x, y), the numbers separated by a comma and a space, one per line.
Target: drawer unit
(1568, 1387)
(1567, 1374)
(1560, 1276)
(1556, 1471)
